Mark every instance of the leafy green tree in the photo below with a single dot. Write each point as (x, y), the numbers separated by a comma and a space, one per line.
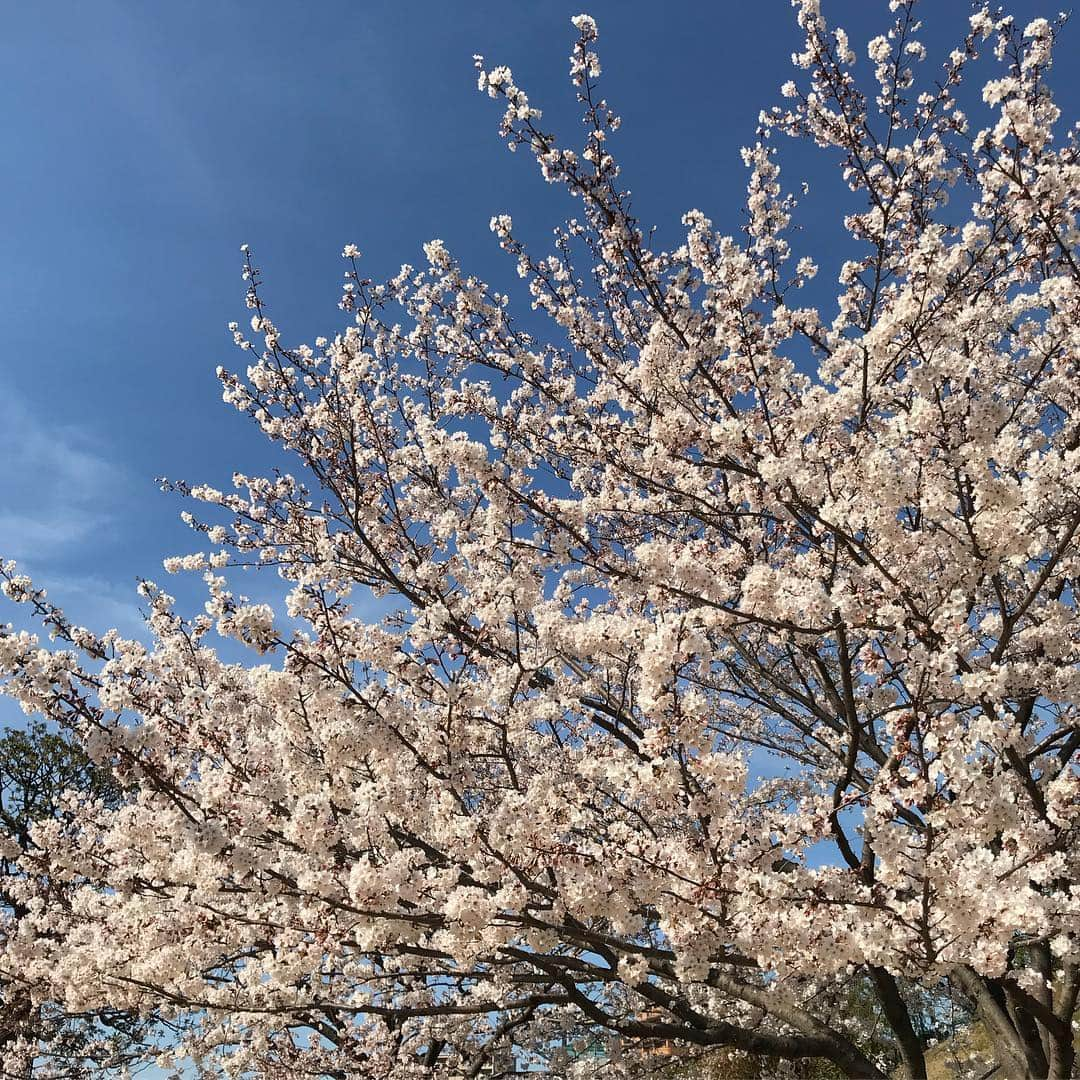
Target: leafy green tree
(937, 1013)
(43, 775)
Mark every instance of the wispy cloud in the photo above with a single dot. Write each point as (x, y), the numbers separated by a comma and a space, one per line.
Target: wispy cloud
(60, 498)
(57, 489)
(93, 601)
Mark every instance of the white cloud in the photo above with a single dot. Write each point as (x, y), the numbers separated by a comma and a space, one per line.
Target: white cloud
(56, 489)
(95, 602)
(60, 497)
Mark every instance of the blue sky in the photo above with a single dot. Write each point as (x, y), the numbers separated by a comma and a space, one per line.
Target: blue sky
(146, 142)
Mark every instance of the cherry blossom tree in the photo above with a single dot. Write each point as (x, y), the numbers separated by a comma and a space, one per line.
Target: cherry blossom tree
(731, 650)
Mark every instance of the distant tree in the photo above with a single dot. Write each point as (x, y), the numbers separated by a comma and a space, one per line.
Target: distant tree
(936, 1015)
(43, 776)
(708, 521)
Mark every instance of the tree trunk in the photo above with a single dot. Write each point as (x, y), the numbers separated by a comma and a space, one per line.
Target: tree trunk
(899, 1018)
